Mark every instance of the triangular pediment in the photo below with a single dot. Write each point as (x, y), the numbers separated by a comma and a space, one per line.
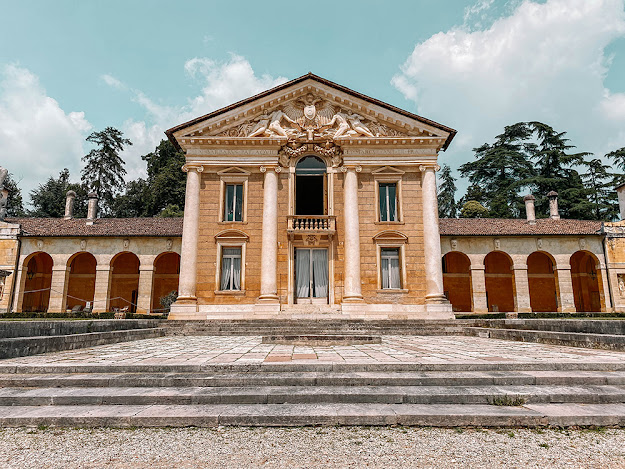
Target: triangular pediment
(310, 109)
(234, 171)
(387, 171)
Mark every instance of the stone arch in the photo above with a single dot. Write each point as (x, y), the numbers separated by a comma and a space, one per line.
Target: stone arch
(166, 276)
(587, 284)
(124, 281)
(37, 270)
(542, 282)
(499, 280)
(457, 280)
(81, 281)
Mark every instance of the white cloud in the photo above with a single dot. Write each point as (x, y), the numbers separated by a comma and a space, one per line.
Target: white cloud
(544, 61)
(222, 84)
(112, 81)
(37, 137)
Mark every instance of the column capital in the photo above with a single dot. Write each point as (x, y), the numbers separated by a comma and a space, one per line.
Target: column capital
(192, 167)
(429, 167)
(356, 168)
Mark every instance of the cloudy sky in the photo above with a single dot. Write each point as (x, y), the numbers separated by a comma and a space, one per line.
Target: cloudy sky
(70, 67)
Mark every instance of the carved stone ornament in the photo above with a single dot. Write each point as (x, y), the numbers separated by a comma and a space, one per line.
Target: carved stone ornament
(311, 119)
(169, 244)
(454, 244)
(39, 244)
(126, 243)
(539, 243)
(83, 244)
(582, 243)
(312, 240)
(294, 150)
(497, 243)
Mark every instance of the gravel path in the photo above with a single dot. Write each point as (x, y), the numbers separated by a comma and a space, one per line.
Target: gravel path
(328, 447)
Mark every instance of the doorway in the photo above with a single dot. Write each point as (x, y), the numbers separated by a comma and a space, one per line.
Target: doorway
(311, 276)
(310, 187)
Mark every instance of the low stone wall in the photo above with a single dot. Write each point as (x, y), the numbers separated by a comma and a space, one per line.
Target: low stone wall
(38, 328)
(585, 326)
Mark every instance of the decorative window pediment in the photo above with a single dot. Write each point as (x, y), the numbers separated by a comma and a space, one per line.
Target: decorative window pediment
(390, 236)
(231, 235)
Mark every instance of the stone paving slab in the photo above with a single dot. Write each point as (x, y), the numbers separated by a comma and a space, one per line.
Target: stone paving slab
(198, 351)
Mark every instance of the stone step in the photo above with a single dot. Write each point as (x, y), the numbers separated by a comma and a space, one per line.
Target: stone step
(446, 415)
(468, 395)
(315, 379)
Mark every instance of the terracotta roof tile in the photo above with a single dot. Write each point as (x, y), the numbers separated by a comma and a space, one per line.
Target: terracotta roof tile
(41, 227)
(516, 227)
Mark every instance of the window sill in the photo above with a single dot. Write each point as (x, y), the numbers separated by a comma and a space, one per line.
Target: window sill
(232, 222)
(392, 290)
(230, 292)
(388, 223)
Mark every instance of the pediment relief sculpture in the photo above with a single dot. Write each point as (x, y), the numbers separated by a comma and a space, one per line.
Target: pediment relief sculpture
(309, 119)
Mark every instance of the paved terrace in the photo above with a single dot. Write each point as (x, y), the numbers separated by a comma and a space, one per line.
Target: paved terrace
(211, 350)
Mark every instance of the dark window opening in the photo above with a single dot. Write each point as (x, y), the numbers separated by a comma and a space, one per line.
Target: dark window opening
(310, 187)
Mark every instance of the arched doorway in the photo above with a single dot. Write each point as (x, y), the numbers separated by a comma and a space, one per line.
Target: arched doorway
(166, 274)
(457, 280)
(310, 186)
(124, 282)
(542, 282)
(81, 283)
(38, 282)
(499, 278)
(586, 285)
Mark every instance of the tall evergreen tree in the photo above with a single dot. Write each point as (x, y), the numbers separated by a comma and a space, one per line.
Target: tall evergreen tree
(502, 167)
(134, 202)
(48, 200)
(601, 194)
(617, 157)
(104, 169)
(15, 205)
(166, 180)
(555, 172)
(447, 207)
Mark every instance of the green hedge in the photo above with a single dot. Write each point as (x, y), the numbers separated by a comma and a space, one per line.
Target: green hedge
(80, 315)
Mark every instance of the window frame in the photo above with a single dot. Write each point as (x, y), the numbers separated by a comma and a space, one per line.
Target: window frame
(397, 249)
(221, 262)
(389, 175)
(235, 176)
(229, 239)
(390, 239)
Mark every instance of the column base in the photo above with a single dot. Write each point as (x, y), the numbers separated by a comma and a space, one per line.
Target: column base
(353, 299)
(439, 306)
(183, 308)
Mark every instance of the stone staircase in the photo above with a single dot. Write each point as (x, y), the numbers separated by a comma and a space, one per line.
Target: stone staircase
(292, 394)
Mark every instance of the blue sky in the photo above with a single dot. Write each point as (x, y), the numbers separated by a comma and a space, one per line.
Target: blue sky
(70, 67)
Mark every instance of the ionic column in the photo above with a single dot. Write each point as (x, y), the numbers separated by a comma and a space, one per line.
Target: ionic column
(190, 235)
(58, 289)
(434, 292)
(478, 285)
(352, 288)
(101, 296)
(269, 248)
(565, 284)
(144, 294)
(522, 300)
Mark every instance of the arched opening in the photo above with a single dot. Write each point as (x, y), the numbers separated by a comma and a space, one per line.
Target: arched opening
(457, 280)
(499, 278)
(310, 186)
(586, 285)
(124, 282)
(38, 282)
(81, 283)
(166, 274)
(542, 282)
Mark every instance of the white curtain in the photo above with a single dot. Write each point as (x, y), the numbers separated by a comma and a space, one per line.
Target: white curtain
(226, 270)
(390, 268)
(320, 272)
(236, 273)
(395, 283)
(302, 273)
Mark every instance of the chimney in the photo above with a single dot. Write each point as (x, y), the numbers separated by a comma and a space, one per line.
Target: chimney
(620, 190)
(529, 209)
(92, 209)
(69, 205)
(553, 205)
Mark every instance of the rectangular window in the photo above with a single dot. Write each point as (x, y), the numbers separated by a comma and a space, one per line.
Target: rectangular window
(388, 201)
(390, 268)
(233, 207)
(230, 269)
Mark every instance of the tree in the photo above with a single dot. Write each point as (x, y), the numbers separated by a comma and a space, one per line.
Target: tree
(171, 211)
(104, 169)
(447, 207)
(600, 186)
(15, 205)
(502, 167)
(473, 209)
(618, 159)
(134, 202)
(166, 180)
(48, 200)
(555, 172)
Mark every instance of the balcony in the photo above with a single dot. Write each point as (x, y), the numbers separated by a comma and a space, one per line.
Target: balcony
(311, 225)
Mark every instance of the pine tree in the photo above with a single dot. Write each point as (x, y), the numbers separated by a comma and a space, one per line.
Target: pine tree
(601, 194)
(499, 172)
(447, 207)
(15, 205)
(618, 160)
(48, 200)
(104, 169)
(555, 172)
